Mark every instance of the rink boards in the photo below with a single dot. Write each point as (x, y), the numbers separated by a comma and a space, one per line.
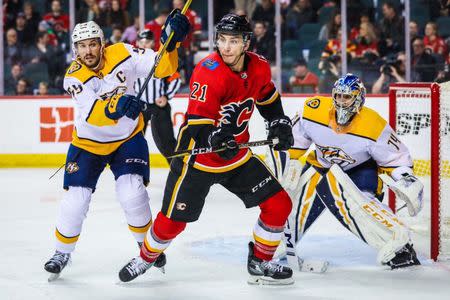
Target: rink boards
(36, 131)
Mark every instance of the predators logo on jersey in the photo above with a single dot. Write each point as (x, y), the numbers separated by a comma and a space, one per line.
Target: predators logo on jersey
(313, 103)
(237, 114)
(75, 66)
(335, 155)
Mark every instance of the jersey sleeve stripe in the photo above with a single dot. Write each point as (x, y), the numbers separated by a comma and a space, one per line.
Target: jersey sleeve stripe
(265, 101)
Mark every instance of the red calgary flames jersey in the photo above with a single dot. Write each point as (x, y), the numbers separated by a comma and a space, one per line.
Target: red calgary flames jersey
(219, 96)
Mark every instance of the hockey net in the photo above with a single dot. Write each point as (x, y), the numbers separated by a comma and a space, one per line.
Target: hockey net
(420, 113)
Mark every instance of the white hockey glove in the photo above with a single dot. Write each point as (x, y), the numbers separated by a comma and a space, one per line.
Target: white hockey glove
(409, 189)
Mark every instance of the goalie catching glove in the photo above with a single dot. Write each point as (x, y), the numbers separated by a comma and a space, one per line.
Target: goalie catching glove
(409, 189)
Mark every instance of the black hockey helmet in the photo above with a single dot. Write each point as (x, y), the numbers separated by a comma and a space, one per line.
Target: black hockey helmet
(145, 34)
(234, 24)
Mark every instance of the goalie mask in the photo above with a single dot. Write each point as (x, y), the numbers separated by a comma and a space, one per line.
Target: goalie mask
(348, 95)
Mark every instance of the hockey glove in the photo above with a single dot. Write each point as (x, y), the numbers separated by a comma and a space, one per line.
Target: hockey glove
(123, 105)
(281, 128)
(222, 137)
(179, 24)
(409, 189)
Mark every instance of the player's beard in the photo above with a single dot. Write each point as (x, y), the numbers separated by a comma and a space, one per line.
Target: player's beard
(93, 62)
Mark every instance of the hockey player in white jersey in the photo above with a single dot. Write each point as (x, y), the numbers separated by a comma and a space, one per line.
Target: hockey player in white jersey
(353, 144)
(108, 130)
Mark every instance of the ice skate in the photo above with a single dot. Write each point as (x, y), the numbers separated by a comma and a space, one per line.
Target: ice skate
(56, 264)
(267, 272)
(137, 266)
(405, 257)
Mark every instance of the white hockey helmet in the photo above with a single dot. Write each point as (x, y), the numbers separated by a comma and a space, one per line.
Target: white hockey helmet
(87, 30)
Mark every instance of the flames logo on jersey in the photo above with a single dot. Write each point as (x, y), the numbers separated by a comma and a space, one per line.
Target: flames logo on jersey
(335, 155)
(237, 115)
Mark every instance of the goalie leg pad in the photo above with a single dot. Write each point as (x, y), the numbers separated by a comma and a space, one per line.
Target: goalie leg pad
(306, 209)
(366, 217)
(133, 197)
(73, 210)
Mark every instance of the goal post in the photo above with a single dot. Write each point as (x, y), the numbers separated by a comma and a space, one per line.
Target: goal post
(420, 114)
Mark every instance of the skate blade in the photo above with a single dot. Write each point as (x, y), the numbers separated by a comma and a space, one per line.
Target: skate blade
(162, 270)
(264, 280)
(53, 276)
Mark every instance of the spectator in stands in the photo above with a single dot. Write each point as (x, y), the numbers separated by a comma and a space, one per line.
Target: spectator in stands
(20, 28)
(155, 26)
(444, 74)
(42, 89)
(22, 87)
(330, 68)
(32, 19)
(46, 27)
(392, 30)
(90, 12)
(61, 35)
(13, 49)
(130, 33)
(12, 79)
(422, 62)
(413, 30)
(57, 14)
(115, 15)
(392, 71)
(41, 51)
(116, 36)
(265, 12)
(263, 42)
(354, 32)
(247, 6)
(366, 41)
(433, 42)
(333, 46)
(11, 8)
(330, 29)
(300, 13)
(303, 80)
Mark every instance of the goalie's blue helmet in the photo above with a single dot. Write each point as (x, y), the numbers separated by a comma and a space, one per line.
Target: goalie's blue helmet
(348, 95)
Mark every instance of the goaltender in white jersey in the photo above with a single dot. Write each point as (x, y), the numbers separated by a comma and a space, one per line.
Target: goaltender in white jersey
(352, 144)
(108, 130)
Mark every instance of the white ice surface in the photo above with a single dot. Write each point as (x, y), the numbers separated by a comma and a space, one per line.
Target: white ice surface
(207, 261)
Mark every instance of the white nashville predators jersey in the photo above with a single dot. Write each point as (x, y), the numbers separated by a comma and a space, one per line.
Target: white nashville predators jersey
(91, 90)
(367, 137)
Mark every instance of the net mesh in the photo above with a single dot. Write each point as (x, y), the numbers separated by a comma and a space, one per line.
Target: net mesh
(413, 125)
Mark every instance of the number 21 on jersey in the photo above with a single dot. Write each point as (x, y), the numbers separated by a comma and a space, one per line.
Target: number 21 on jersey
(198, 91)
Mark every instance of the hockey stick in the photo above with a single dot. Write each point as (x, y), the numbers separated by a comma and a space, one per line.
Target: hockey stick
(204, 150)
(160, 55)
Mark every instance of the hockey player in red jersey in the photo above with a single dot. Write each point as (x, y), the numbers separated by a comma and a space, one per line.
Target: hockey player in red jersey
(225, 88)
